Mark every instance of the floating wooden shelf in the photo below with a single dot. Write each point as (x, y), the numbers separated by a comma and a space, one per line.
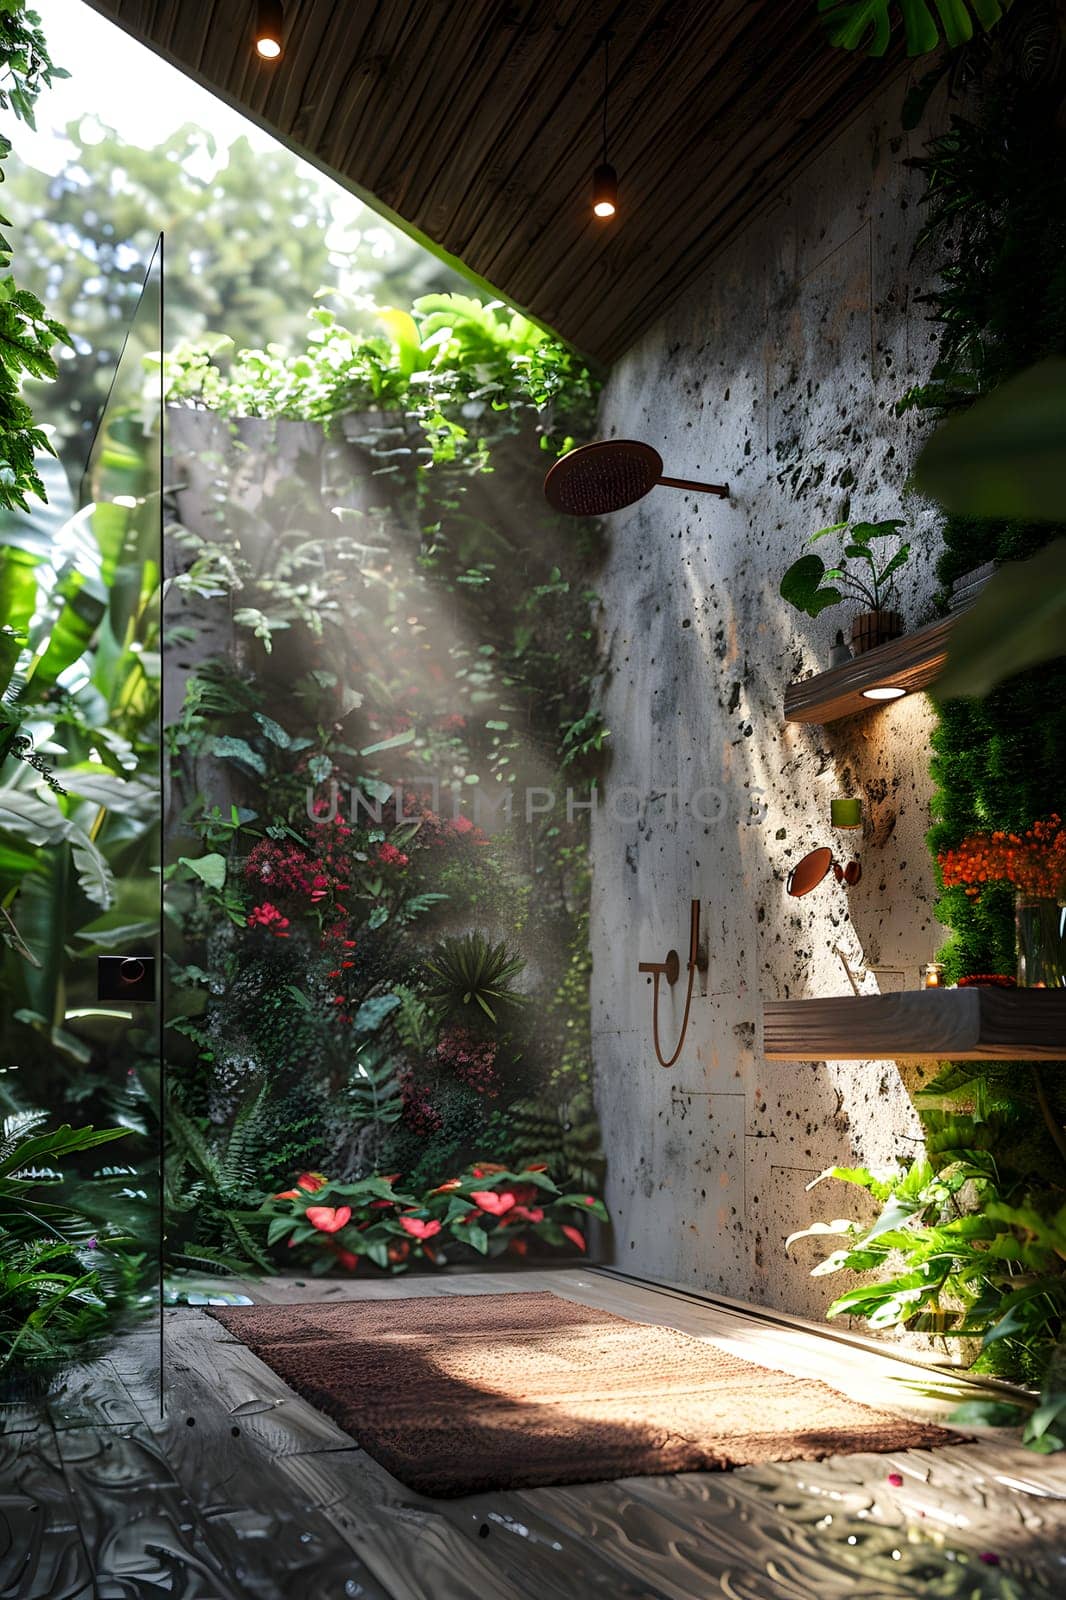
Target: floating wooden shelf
(909, 663)
(950, 1024)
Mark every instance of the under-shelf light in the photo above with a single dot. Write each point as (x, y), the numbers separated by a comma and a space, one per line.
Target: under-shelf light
(884, 691)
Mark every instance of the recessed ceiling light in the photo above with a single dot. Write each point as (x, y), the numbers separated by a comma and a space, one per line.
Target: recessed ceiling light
(885, 691)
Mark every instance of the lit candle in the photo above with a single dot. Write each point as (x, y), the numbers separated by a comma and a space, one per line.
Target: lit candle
(931, 976)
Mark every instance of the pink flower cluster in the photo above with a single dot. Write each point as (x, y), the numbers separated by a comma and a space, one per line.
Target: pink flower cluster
(435, 829)
(472, 1060)
(419, 1112)
(268, 916)
(284, 868)
(390, 856)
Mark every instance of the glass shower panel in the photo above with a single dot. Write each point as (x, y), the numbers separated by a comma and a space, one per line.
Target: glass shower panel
(80, 866)
(374, 875)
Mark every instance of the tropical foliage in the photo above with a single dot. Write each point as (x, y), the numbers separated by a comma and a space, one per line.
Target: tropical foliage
(870, 24)
(966, 1247)
(485, 1209)
(811, 586)
(380, 884)
(249, 231)
(1006, 457)
(27, 332)
(78, 671)
(70, 1267)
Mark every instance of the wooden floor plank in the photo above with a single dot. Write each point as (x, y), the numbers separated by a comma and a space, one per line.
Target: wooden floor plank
(92, 1396)
(143, 1533)
(464, 1549)
(415, 1547)
(41, 1549)
(216, 1384)
(259, 1494)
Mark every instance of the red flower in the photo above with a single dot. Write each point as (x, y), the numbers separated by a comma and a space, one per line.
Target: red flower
(268, 916)
(494, 1204)
(329, 1219)
(519, 1247)
(447, 1186)
(312, 1181)
(389, 856)
(575, 1235)
(523, 1214)
(400, 1251)
(347, 1260)
(419, 1229)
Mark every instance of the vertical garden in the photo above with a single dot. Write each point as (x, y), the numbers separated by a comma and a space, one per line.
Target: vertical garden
(380, 657)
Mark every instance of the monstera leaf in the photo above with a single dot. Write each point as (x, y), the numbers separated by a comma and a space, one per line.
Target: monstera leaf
(1006, 457)
(869, 24)
(1019, 620)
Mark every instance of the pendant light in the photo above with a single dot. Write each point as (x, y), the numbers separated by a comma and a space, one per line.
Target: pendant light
(269, 23)
(605, 178)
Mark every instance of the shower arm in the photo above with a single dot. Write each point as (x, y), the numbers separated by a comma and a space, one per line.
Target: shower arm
(671, 970)
(720, 489)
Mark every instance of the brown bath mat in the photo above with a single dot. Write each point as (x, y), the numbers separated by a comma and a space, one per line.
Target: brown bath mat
(505, 1391)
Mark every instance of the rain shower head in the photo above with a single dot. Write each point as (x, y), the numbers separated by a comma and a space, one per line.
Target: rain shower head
(598, 478)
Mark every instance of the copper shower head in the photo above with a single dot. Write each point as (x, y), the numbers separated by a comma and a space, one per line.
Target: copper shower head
(598, 478)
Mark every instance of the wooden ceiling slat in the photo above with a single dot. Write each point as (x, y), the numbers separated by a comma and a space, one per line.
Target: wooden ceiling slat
(434, 84)
(336, 71)
(435, 196)
(557, 136)
(556, 227)
(478, 126)
(621, 253)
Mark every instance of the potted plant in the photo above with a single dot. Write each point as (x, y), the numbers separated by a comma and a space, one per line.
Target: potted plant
(811, 586)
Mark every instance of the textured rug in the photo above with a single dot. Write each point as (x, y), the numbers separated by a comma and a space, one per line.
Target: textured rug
(464, 1393)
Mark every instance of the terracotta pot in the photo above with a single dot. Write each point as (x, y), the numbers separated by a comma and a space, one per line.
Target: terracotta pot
(872, 628)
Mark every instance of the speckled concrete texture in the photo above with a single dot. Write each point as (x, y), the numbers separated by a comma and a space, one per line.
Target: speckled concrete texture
(779, 373)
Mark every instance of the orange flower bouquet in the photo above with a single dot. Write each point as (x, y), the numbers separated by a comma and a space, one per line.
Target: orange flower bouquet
(1033, 862)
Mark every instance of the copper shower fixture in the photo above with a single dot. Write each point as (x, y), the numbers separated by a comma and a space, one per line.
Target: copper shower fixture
(609, 474)
(670, 969)
(808, 873)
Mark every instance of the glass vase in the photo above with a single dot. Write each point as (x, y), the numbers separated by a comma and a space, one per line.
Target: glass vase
(1040, 928)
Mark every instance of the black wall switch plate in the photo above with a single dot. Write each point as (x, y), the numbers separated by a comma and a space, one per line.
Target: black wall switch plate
(125, 978)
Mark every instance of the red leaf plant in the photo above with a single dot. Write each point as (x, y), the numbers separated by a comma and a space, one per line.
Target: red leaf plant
(488, 1209)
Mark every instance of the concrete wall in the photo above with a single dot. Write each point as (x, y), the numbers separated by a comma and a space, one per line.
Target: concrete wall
(778, 372)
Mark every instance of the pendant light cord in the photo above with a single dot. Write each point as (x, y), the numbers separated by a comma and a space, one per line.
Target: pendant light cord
(606, 86)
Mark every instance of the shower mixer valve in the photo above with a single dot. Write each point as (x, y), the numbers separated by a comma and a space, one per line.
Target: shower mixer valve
(670, 969)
